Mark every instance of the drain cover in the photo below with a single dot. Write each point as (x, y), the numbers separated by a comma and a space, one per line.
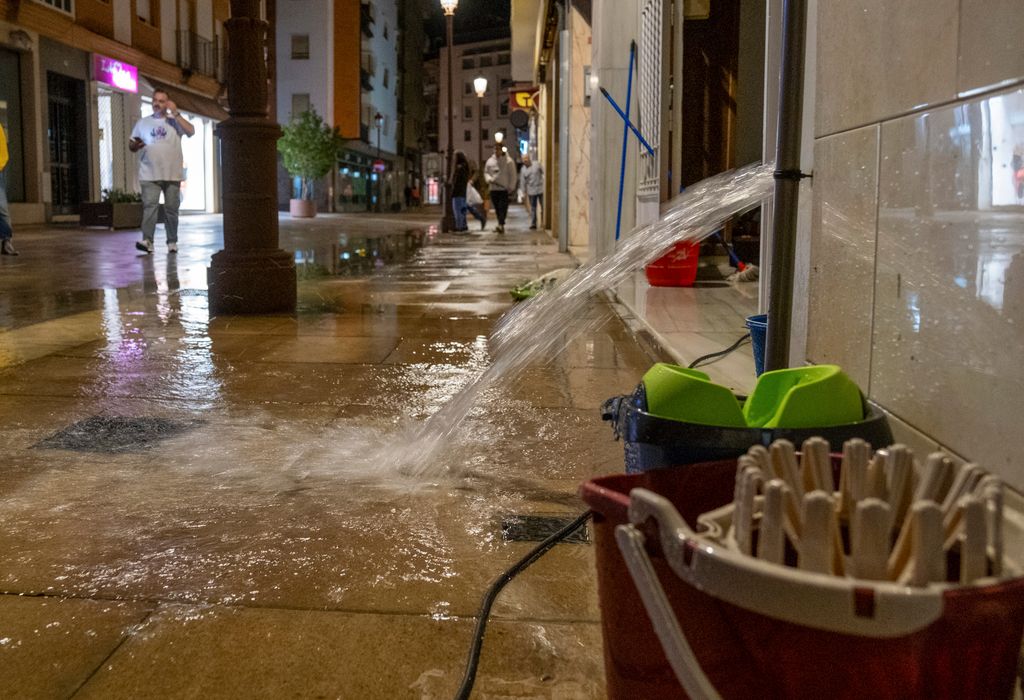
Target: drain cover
(115, 434)
(537, 528)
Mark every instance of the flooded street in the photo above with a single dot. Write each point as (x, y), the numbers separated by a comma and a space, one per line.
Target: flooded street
(197, 507)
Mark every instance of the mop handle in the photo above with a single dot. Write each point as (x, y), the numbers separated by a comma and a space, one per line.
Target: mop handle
(625, 139)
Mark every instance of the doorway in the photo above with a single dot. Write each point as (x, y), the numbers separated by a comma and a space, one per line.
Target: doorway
(68, 141)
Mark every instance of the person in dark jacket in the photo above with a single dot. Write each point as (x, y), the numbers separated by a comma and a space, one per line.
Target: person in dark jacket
(460, 178)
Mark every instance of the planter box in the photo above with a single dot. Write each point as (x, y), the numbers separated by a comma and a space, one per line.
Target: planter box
(108, 215)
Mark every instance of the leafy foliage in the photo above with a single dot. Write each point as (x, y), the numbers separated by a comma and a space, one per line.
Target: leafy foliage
(308, 147)
(116, 196)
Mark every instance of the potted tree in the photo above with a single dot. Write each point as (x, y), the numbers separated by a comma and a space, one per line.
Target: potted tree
(308, 147)
(118, 209)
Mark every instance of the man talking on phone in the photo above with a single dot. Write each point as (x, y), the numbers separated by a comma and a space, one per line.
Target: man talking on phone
(161, 167)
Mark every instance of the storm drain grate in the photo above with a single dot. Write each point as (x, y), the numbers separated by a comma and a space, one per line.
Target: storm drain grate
(537, 528)
(115, 434)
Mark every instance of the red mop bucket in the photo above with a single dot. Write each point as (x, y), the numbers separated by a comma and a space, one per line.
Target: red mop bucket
(676, 268)
(757, 630)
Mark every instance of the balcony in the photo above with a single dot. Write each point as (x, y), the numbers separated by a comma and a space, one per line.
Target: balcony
(198, 55)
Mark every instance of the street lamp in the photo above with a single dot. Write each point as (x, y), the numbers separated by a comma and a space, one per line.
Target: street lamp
(499, 136)
(448, 221)
(378, 120)
(480, 85)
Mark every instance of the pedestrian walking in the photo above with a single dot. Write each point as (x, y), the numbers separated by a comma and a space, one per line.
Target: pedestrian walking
(460, 179)
(500, 175)
(161, 167)
(6, 229)
(531, 181)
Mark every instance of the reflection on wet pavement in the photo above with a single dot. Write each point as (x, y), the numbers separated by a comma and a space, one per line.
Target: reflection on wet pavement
(261, 546)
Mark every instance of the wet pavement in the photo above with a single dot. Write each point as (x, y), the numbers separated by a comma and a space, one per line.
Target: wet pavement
(211, 507)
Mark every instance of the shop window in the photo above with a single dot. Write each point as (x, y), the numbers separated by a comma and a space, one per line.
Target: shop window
(300, 47)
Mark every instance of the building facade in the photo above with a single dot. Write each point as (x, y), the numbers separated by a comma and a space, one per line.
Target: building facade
(475, 120)
(75, 76)
(913, 223)
(344, 59)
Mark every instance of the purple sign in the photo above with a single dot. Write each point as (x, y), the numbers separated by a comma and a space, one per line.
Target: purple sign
(122, 76)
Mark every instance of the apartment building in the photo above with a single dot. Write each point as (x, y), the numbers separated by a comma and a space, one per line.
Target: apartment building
(475, 120)
(343, 58)
(75, 75)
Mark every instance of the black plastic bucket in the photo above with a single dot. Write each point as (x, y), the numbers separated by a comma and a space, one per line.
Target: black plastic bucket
(653, 442)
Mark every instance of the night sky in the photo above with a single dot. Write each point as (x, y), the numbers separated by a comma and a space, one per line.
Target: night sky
(475, 20)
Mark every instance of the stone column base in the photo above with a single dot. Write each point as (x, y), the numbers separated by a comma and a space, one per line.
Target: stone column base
(254, 281)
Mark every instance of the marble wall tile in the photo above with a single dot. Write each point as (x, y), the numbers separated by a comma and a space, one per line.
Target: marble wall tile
(878, 59)
(841, 280)
(991, 43)
(579, 135)
(949, 292)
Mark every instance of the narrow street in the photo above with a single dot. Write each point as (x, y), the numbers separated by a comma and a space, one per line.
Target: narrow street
(204, 507)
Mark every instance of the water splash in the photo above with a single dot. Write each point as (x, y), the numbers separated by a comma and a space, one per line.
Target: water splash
(547, 323)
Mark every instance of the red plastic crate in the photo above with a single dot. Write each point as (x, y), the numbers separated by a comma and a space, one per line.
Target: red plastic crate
(676, 268)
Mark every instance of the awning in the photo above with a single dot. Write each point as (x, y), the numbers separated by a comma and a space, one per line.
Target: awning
(191, 102)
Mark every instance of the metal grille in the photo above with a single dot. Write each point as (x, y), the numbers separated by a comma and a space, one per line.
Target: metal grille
(649, 98)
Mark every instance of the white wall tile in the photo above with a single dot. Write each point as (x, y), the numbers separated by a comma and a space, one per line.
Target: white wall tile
(841, 285)
(949, 294)
(991, 43)
(878, 59)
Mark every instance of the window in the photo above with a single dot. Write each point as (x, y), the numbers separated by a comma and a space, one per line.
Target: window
(143, 11)
(468, 63)
(485, 134)
(467, 89)
(385, 30)
(503, 59)
(300, 103)
(467, 135)
(486, 61)
(467, 112)
(485, 111)
(387, 77)
(503, 110)
(62, 5)
(300, 47)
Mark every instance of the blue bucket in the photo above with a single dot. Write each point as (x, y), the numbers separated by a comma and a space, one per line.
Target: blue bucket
(758, 326)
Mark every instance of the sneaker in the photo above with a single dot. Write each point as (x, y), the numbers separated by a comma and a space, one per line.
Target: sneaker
(500, 228)
(483, 225)
(7, 248)
(145, 246)
(533, 228)
(172, 247)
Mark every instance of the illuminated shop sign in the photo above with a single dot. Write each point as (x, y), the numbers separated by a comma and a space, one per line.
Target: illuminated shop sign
(122, 76)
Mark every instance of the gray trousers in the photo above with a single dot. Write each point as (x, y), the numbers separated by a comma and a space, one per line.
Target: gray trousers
(151, 190)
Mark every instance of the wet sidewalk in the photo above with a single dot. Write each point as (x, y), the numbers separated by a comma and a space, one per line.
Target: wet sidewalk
(197, 507)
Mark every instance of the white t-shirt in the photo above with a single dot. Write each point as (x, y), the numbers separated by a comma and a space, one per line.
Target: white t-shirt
(161, 159)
